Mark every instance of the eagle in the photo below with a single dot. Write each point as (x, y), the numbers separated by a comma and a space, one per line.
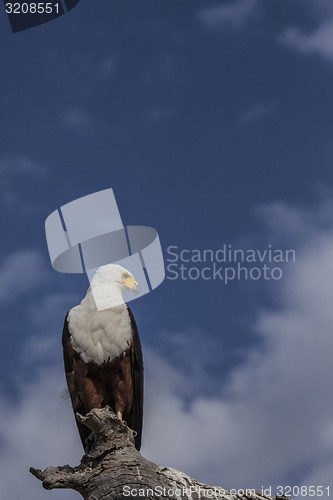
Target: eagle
(102, 352)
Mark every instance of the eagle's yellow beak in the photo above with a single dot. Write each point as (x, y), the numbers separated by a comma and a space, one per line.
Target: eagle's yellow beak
(131, 284)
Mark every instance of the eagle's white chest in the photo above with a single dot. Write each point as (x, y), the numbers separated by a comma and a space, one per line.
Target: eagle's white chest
(99, 336)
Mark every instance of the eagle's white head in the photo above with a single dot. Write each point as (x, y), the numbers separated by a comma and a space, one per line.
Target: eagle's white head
(109, 283)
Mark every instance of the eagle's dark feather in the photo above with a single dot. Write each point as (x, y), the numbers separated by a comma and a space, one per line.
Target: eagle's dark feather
(135, 421)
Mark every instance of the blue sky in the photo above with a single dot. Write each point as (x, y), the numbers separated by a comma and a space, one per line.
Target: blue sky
(212, 122)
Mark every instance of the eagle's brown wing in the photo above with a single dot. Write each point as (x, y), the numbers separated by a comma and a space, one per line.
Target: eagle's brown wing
(77, 403)
(136, 416)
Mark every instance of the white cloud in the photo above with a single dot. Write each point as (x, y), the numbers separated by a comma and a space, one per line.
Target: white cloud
(17, 165)
(21, 272)
(38, 428)
(319, 42)
(48, 308)
(38, 432)
(296, 224)
(275, 418)
(83, 122)
(46, 318)
(237, 13)
(234, 14)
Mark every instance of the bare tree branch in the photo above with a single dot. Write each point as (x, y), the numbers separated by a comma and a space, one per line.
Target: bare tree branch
(115, 470)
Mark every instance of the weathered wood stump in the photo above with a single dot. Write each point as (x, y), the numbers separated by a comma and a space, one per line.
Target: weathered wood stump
(115, 470)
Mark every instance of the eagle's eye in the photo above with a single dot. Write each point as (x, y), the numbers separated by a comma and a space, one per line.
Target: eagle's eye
(126, 275)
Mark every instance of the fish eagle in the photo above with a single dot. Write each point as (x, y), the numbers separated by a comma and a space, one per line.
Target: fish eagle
(102, 352)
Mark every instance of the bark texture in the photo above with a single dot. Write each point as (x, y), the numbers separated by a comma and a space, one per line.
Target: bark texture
(115, 470)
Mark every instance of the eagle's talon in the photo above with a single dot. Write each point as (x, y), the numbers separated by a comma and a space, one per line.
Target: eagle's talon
(132, 431)
(120, 417)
